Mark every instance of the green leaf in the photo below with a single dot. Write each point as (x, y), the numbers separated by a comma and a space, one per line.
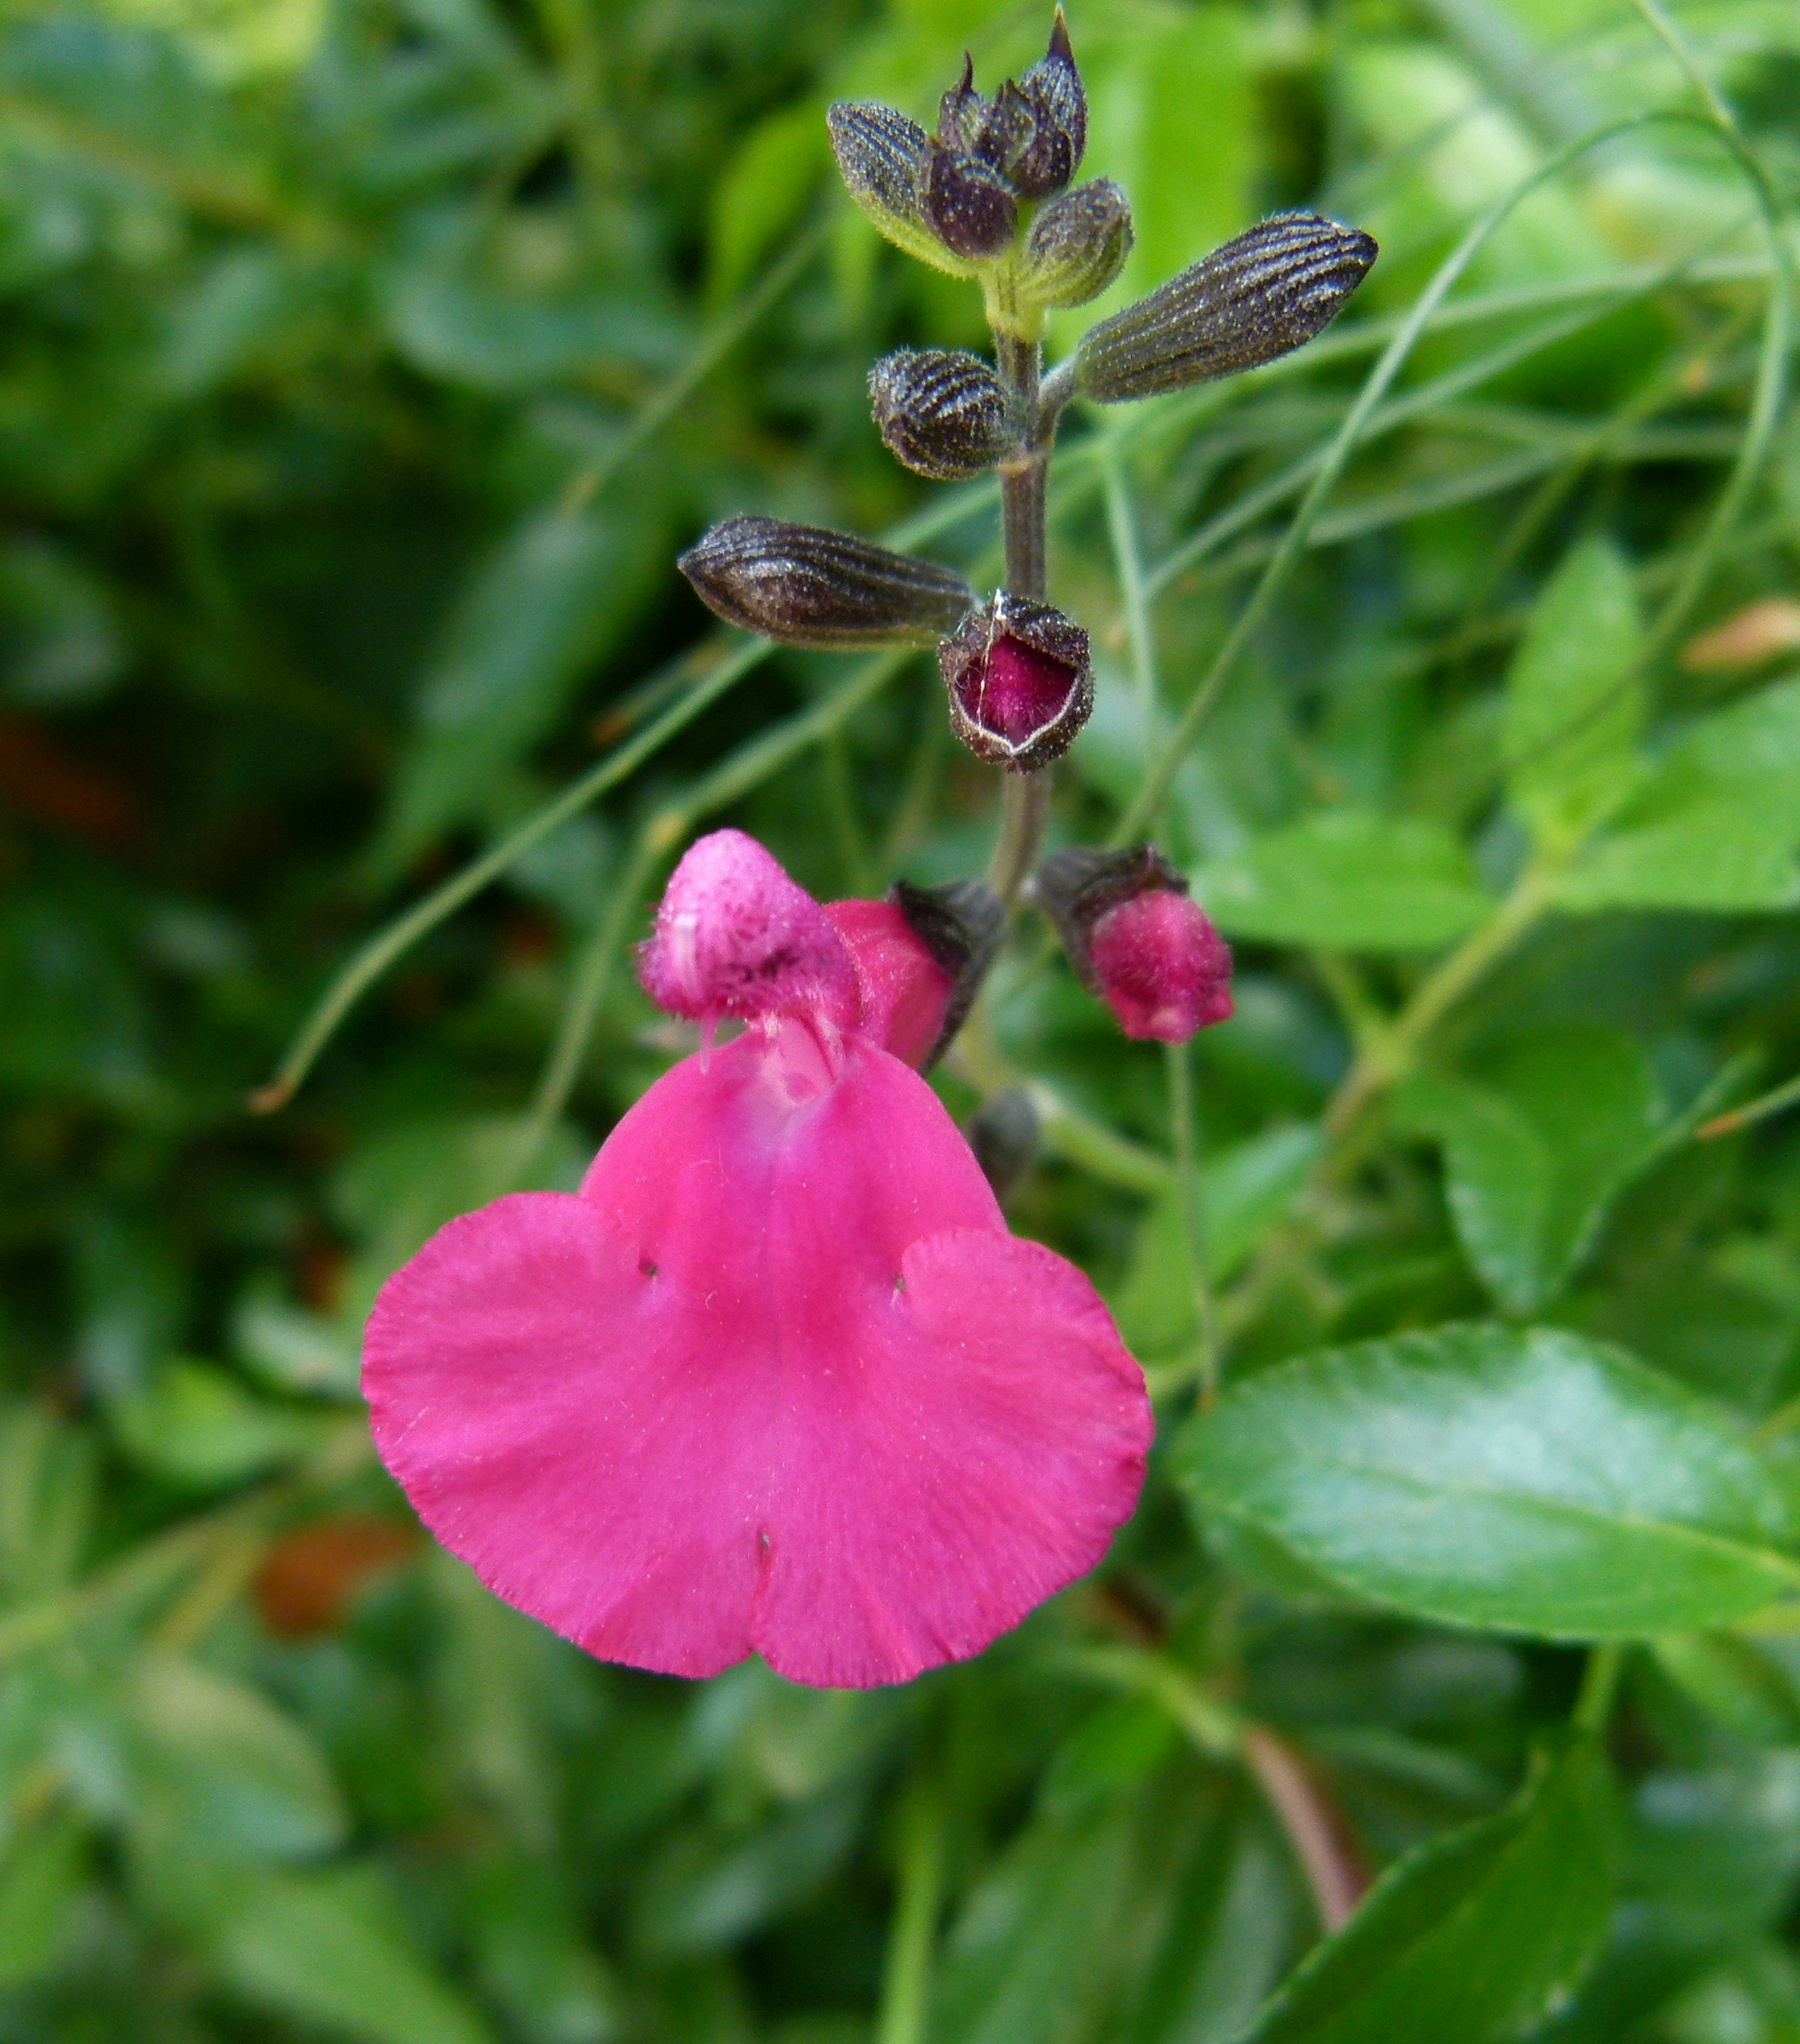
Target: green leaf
(762, 193)
(329, 1949)
(1573, 704)
(1244, 1192)
(1518, 1481)
(1477, 1935)
(1038, 1939)
(229, 1769)
(701, 1893)
(1714, 825)
(1347, 880)
(41, 1881)
(199, 1425)
(1535, 1152)
(1739, 1681)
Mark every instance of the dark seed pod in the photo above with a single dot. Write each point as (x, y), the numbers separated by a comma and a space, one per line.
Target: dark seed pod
(1019, 681)
(1077, 245)
(881, 159)
(966, 204)
(1136, 941)
(1052, 88)
(806, 587)
(943, 413)
(1261, 296)
(1002, 1133)
(962, 926)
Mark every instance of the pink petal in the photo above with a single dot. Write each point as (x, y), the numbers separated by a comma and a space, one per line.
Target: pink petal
(736, 936)
(690, 1413)
(905, 991)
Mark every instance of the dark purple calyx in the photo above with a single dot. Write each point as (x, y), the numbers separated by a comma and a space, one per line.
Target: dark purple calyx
(1019, 684)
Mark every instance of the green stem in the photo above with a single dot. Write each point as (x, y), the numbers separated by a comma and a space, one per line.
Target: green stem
(1193, 1217)
(906, 1979)
(1599, 1686)
(1388, 1059)
(1025, 798)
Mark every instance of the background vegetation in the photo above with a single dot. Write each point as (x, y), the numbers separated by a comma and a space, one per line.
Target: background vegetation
(363, 365)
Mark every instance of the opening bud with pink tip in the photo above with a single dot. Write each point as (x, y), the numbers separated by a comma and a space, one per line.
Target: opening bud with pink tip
(1019, 682)
(1136, 940)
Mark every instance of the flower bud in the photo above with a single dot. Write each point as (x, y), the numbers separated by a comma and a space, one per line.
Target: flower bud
(1077, 245)
(961, 925)
(966, 204)
(1052, 89)
(1136, 940)
(1259, 296)
(1002, 1132)
(735, 935)
(881, 160)
(1019, 681)
(806, 587)
(941, 411)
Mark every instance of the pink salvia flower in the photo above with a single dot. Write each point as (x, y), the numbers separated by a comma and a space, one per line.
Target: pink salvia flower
(777, 1379)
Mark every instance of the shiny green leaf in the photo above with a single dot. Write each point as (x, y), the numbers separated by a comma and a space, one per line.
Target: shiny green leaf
(1574, 701)
(1536, 1149)
(1518, 1481)
(1478, 1935)
(1347, 880)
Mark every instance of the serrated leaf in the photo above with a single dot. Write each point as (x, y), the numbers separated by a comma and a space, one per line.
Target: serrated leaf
(1347, 880)
(1714, 824)
(1535, 1152)
(1516, 1480)
(1573, 704)
(1476, 1936)
(329, 1949)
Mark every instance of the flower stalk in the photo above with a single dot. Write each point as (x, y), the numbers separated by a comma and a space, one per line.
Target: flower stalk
(1025, 798)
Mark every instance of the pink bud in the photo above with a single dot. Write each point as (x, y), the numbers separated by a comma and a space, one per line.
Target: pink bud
(736, 936)
(906, 993)
(1161, 967)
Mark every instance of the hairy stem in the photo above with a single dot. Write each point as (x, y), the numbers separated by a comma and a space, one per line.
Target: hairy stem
(1025, 799)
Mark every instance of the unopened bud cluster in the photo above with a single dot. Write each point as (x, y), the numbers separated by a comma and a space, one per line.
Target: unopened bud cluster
(989, 195)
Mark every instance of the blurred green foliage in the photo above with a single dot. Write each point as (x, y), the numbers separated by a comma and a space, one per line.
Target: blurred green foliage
(364, 363)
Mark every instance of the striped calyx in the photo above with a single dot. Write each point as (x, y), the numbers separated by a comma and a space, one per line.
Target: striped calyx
(805, 586)
(1261, 296)
(941, 413)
